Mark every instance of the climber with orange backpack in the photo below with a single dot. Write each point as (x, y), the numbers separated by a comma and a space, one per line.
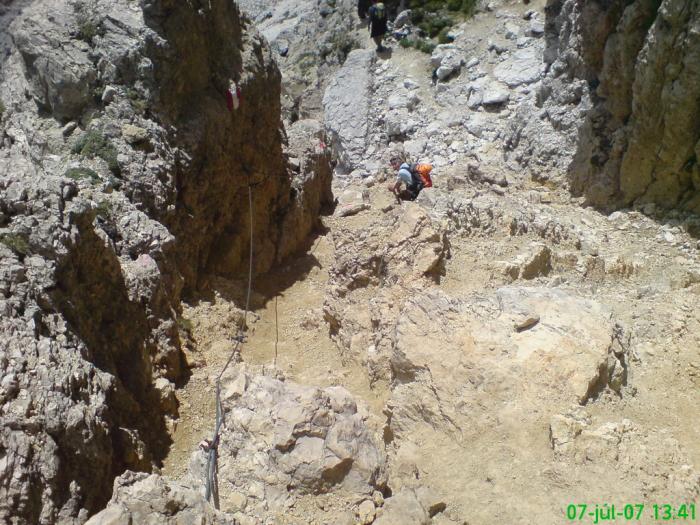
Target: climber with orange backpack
(415, 177)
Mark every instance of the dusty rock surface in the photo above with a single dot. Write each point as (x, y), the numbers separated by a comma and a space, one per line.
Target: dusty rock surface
(284, 440)
(142, 498)
(511, 342)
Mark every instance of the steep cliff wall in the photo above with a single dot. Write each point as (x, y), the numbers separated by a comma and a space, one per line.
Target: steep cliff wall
(123, 179)
(641, 60)
(618, 110)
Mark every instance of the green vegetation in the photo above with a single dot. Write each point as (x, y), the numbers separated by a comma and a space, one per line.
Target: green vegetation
(88, 26)
(463, 7)
(94, 144)
(431, 22)
(87, 30)
(443, 37)
(306, 61)
(137, 101)
(2, 109)
(82, 173)
(16, 242)
(104, 209)
(340, 46)
(435, 18)
(421, 44)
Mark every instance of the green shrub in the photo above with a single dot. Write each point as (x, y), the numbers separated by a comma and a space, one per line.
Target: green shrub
(2, 109)
(340, 45)
(424, 45)
(104, 209)
(307, 61)
(17, 243)
(87, 30)
(81, 173)
(435, 18)
(466, 7)
(137, 101)
(94, 144)
(430, 22)
(88, 26)
(443, 37)
(421, 44)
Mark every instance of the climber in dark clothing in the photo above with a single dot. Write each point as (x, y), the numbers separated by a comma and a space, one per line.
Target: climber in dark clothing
(377, 24)
(362, 7)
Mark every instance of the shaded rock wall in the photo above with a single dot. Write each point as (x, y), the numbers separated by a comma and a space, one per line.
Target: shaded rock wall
(123, 178)
(641, 61)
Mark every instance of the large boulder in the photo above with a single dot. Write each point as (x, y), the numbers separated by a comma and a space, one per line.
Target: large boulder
(523, 67)
(154, 500)
(59, 69)
(282, 440)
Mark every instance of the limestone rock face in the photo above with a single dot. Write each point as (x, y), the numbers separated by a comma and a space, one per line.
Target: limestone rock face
(144, 498)
(652, 456)
(282, 440)
(629, 70)
(310, 40)
(350, 88)
(124, 177)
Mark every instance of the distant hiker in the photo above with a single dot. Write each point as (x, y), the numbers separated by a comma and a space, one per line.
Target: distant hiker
(414, 176)
(362, 7)
(377, 24)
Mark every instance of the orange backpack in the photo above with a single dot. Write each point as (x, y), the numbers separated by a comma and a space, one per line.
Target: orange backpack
(422, 171)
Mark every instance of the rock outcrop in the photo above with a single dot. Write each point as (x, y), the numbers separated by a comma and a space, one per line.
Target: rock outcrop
(348, 128)
(282, 441)
(142, 498)
(629, 71)
(310, 40)
(129, 137)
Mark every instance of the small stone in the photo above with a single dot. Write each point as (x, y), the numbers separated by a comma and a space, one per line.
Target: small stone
(402, 19)
(536, 28)
(238, 500)
(377, 498)
(69, 191)
(512, 31)
(526, 322)
(166, 392)
(495, 95)
(283, 47)
(352, 209)
(69, 128)
(108, 94)
(366, 512)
